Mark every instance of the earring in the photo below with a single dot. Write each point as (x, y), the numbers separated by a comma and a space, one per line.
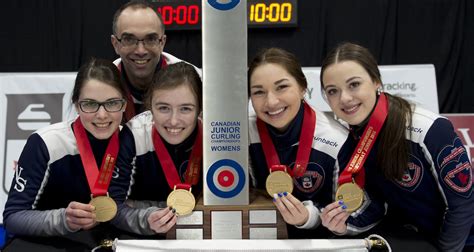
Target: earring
(379, 91)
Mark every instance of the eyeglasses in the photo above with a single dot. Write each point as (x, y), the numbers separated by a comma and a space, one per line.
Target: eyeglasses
(91, 106)
(149, 42)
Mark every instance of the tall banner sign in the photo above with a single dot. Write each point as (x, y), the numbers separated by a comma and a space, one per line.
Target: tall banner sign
(28, 102)
(225, 129)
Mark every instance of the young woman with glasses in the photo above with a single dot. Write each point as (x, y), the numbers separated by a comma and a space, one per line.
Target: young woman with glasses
(61, 179)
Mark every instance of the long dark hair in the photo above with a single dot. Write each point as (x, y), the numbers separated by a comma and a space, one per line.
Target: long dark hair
(393, 152)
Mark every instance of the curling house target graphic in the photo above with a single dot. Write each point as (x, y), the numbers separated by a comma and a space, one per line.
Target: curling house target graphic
(223, 5)
(225, 178)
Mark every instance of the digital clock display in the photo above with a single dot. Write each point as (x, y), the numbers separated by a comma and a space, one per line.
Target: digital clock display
(280, 13)
(187, 14)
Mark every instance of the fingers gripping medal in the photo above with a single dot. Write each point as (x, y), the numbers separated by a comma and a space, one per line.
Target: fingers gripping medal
(351, 194)
(278, 180)
(182, 200)
(105, 208)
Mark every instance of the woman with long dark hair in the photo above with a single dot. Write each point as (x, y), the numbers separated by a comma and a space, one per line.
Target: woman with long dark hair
(408, 158)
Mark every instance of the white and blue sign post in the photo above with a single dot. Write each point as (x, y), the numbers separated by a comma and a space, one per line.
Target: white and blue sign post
(225, 161)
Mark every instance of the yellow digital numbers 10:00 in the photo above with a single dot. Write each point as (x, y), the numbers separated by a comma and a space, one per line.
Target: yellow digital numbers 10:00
(275, 12)
(272, 12)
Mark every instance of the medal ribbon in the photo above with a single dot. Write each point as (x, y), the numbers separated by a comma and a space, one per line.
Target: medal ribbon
(98, 180)
(304, 146)
(130, 109)
(191, 175)
(365, 144)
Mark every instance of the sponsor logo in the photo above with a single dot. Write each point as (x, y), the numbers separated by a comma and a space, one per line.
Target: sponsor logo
(397, 86)
(414, 129)
(26, 113)
(325, 141)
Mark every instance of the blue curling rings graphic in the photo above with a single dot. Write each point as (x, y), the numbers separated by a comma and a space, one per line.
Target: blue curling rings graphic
(223, 6)
(223, 172)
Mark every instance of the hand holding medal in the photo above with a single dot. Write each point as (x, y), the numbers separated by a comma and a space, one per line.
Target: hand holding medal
(181, 199)
(279, 181)
(80, 216)
(351, 195)
(105, 208)
(291, 209)
(334, 217)
(162, 220)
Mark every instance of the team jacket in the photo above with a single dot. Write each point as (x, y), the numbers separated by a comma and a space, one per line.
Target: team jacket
(435, 193)
(143, 183)
(49, 175)
(317, 187)
(135, 95)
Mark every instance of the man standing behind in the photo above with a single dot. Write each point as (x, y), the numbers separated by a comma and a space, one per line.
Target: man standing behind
(139, 38)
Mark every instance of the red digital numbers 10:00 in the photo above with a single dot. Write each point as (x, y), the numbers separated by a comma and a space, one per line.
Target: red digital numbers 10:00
(182, 14)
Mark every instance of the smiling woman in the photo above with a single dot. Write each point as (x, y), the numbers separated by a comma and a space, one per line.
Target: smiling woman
(409, 160)
(63, 164)
(162, 152)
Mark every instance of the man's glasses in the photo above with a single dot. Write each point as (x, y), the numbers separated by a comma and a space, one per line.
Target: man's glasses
(149, 42)
(91, 106)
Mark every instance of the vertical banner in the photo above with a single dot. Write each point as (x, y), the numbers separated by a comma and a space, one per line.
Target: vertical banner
(26, 113)
(224, 46)
(28, 102)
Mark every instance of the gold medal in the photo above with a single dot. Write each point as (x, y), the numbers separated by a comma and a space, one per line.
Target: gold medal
(182, 201)
(351, 195)
(105, 208)
(278, 182)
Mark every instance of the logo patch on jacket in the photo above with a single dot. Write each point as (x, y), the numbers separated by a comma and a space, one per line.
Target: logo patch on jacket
(455, 168)
(412, 176)
(312, 179)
